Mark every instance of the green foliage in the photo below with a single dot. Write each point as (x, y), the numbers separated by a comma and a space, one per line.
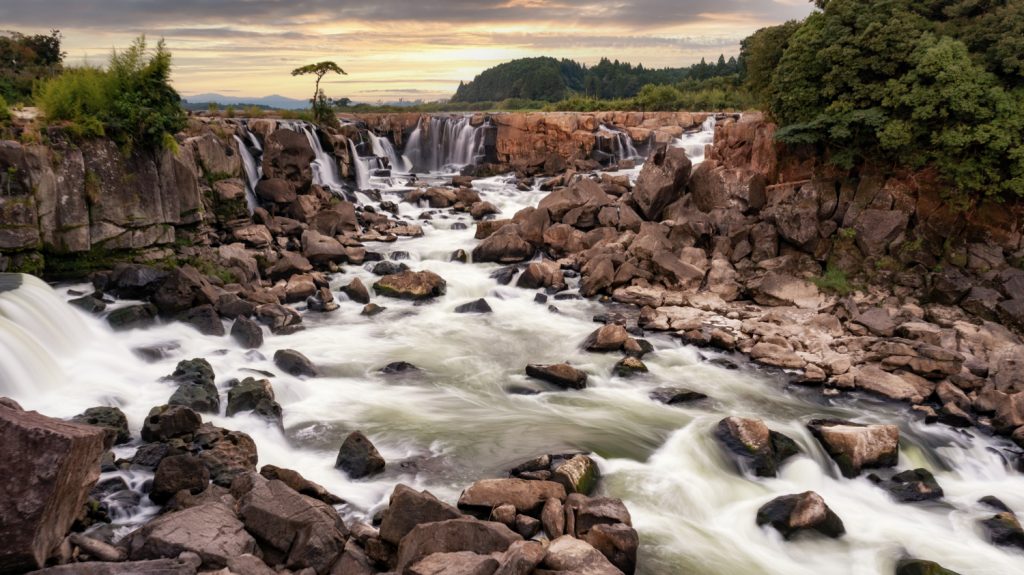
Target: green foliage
(26, 60)
(323, 109)
(5, 112)
(760, 54)
(937, 83)
(833, 281)
(131, 100)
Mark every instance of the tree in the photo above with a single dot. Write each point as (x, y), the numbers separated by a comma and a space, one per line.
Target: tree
(760, 54)
(321, 108)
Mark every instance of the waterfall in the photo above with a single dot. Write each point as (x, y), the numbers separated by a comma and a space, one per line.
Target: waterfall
(444, 142)
(362, 170)
(382, 148)
(253, 169)
(696, 143)
(324, 165)
(36, 326)
(619, 143)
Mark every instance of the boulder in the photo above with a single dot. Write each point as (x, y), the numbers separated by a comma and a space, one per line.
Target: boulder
(358, 457)
(408, 508)
(300, 484)
(288, 155)
(225, 453)
(528, 497)
(211, 531)
(753, 446)
(1004, 529)
(176, 473)
(676, 395)
(411, 285)
(504, 246)
(662, 181)
(183, 289)
(111, 419)
(452, 536)
(295, 363)
(910, 486)
(256, 396)
(781, 290)
(132, 317)
(611, 337)
(51, 466)
(920, 567)
(322, 250)
(169, 421)
(876, 380)
(134, 281)
(570, 555)
(562, 375)
(856, 446)
(629, 366)
(288, 265)
(477, 306)
(715, 186)
(583, 199)
(205, 319)
(521, 558)
(617, 542)
(275, 191)
(247, 333)
(458, 563)
(196, 387)
(793, 514)
(186, 564)
(577, 475)
(356, 291)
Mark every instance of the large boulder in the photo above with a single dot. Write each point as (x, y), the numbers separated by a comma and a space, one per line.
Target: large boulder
(504, 246)
(562, 375)
(170, 421)
(51, 466)
(570, 555)
(358, 457)
(409, 508)
(196, 387)
(295, 363)
(411, 285)
(452, 536)
(753, 446)
(296, 481)
(256, 396)
(662, 181)
(792, 514)
(176, 473)
(717, 187)
(287, 155)
(211, 530)
(856, 446)
(611, 337)
(112, 419)
(528, 497)
(579, 202)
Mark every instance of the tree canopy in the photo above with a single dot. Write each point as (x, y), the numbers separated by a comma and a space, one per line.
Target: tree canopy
(323, 110)
(27, 59)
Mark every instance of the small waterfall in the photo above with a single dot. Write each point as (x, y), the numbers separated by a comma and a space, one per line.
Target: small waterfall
(444, 142)
(362, 169)
(696, 143)
(382, 148)
(617, 144)
(36, 327)
(325, 167)
(253, 168)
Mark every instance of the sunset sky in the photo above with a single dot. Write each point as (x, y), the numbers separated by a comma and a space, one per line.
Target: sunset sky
(392, 49)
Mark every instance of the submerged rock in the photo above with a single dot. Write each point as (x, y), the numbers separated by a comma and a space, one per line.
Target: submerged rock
(920, 567)
(478, 306)
(792, 514)
(628, 367)
(358, 457)
(676, 395)
(562, 375)
(295, 363)
(910, 486)
(132, 317)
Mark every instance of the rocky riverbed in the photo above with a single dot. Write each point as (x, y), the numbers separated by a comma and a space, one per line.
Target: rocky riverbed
(571, 368)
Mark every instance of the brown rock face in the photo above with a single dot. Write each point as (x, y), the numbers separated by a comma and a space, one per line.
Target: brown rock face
(411, 285)
(453, 536)
(854, 446)
(662, 181)
(504, 246)
(211, 531)
(563, 375)
(52, 465)
(409, 508)
(527, 496)
(286, 155)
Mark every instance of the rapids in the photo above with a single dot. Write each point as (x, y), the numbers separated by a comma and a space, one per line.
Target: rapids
(454, 421)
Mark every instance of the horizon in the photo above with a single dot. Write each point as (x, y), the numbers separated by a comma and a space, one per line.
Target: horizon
(389, 50)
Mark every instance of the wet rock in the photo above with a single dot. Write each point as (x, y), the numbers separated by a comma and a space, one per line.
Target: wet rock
(504, 246)
(920, 567)
(628, 367)
(528, 497)
(408, 508)
(461, 563)
(526, 526)
(256, 396)
(504, 275)
(387, 268)
(132, 317)
(89, 304)
(552, 518)
(577, 475)
(452, 536)
(521, 558)
(150, 455)
(753, 446)
(322, 250)
(481, 210)
(562, 375)
(459, 255)
(676, 395)
(169, 421)
(1003, 529)
(176, 473)
(610, 337)
(51, 466)
(910, 486)
(356, 291)
(294, 363)
(247, 333)
(372, 309)
(855, 446)
(184, 565)
(662, 181)
(478, 306)
(304, 532)
(411, 285)
(571, 555)
(398, 367)
(282, 320)
(196, 387)
(322, 301)
(211, 531)
(793, 514)
(225, 453)
(358, 457)
(618, 543)
(110, 419)
(205, 319)
(134, 281)
(300, 484)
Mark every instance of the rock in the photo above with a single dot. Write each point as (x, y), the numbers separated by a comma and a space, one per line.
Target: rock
(910, 486)
(294, 363)
(567, 554)
(776, 355)
(249, 565)
(300, 484)
(196, 387)
(305, 532)
(356, 291)
(753, 446)
(578, 203)
(1004, 529)
(458, 563)
(387, 268)
(358, 457)
(528, 497)
(552, 518)
(521, 558)
(110, 419)
(481, 210)
(372, 309)
(577, 475)
(855, 446)
(288, 155)
(354, 561)
(288, 265)
(411, 285)
(170, 421)
(256, 396)
(176, 473)
(247, 333)
(792, 514)
(782, 290)
(132, 317)
(322, 250)
(478, 306)
(714, 186)
(211, 531)
(919, 567)
(89, 304)
(611, 337)
(618, 543)
(598, 511)
(452, 536)
(184, 565)
(225, 453)
(134, 281)
(878, 322)
(662, 181)
(51, 467)
(562, 375)
(876, 229)
(505, 246)
(275, 190)
(628, 367)
(676, 395)
(409, 508)
(874, 379)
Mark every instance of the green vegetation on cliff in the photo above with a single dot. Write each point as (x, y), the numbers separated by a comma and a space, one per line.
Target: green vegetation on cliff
(131, 100)
(26, 60)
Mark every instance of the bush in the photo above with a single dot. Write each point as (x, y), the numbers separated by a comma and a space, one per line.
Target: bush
(5, 112)
(132, 100)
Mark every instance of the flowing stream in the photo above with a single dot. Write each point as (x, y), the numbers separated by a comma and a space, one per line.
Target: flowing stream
(454, 421)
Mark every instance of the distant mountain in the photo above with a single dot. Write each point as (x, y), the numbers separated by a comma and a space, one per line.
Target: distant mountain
(551, 80)
(275, 101)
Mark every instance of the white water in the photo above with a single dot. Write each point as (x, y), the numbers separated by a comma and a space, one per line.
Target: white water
(444, 142)
(696, 143)
(253, 169)
(382, 148)
(695, 514)
(621, 144)
(324, 165)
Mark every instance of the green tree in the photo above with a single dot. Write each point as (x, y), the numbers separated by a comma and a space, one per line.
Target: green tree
(322, 110)
(760, 54)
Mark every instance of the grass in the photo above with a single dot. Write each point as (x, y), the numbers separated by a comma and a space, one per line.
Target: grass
(833, 281)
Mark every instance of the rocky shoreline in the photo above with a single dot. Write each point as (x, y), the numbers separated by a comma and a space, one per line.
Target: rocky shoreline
(926, 308)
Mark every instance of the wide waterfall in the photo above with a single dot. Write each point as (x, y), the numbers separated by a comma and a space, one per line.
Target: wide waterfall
(445, 142)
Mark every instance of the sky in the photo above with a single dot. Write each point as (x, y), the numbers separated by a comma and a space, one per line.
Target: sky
(392, 49)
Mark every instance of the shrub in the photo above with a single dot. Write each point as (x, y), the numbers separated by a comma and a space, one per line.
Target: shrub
(5, 112)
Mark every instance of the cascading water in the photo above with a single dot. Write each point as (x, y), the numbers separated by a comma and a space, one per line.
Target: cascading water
(696, 143)
(253, 168)
(444, 142)
(325, 166)
(620, 144)
(382, 148)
